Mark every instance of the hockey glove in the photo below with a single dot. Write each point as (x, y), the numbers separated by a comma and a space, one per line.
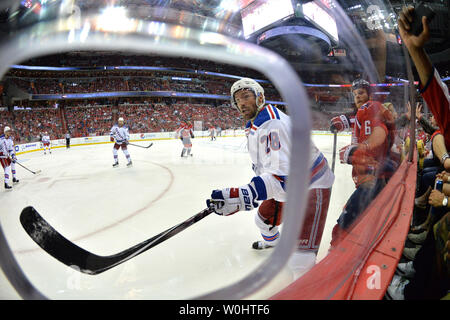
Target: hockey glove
(231, 200)
(346, 153)
(111, 139)
(339, 124)
(359, 158)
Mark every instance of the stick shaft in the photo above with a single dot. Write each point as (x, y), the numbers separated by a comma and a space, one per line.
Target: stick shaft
(334, 151)
(136, 145)
(67, 252)
(25, 168)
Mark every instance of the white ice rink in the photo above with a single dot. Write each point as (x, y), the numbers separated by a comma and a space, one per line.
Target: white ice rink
(106, 210)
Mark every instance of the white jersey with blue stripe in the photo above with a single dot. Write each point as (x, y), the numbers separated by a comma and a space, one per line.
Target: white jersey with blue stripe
(45, 138)
(6, 146)
(269, 144)
(120, 134)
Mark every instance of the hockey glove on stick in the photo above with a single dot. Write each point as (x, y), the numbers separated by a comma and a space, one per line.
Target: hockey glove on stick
(231, 200)
(339, 123)
(13, 158)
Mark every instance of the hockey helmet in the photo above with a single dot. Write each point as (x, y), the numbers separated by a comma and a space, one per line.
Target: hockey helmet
(248, 84)
(361, 84)
(7, 129)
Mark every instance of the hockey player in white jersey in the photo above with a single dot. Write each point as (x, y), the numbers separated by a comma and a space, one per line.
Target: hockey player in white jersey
(212, 133)
(120, 136)
(268, 138)
(8, 157)
(46, 142)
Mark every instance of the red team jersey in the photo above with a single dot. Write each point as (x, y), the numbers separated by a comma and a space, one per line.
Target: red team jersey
(368, 117)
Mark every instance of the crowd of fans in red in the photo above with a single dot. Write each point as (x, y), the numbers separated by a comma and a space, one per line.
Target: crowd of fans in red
(95, 117)
(95, 120)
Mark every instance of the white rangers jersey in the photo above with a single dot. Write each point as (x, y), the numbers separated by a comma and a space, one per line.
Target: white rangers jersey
(120, 134)
(46, 139)
(6, 147)
(269, 144)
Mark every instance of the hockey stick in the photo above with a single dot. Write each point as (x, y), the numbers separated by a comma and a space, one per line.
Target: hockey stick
(82, 260)
(33, 172)
(136, 145)
(334, 151)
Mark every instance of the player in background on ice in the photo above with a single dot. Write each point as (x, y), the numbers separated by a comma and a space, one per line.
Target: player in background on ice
(219, 131)
(67, 140)
(268, 139)
(368, 155)
(8, 157)
(120, 136)
(212, 133)
(46, 142)
(185, 133)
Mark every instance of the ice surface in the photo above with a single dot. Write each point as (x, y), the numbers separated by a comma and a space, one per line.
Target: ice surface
(106, 210)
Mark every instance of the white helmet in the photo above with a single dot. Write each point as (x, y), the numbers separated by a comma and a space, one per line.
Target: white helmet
(120, 119)
(248, 84)
(7, 129)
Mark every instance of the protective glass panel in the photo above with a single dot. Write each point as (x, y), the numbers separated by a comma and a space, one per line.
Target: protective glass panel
(331, 132)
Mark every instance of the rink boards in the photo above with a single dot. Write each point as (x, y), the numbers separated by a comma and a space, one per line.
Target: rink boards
(149, 136)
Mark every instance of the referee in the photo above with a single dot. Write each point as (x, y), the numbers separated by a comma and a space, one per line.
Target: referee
(67, 140)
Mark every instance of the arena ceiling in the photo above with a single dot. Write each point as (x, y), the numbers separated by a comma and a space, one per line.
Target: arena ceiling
(438, 47)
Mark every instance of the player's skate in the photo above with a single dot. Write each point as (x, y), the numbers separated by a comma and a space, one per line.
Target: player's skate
(15, 180)
(129, 164)
(259, 245)
(7, 187)
(115, 165)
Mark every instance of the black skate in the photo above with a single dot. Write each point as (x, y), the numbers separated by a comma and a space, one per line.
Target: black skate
(7, 187)
(129, 164)
(259, 245)
(15, 180)
(115, 165)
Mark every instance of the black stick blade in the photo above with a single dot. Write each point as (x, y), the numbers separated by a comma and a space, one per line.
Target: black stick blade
(55, 244)
(84, 261)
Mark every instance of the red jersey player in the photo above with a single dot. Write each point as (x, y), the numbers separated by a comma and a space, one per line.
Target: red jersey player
(368, 154)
